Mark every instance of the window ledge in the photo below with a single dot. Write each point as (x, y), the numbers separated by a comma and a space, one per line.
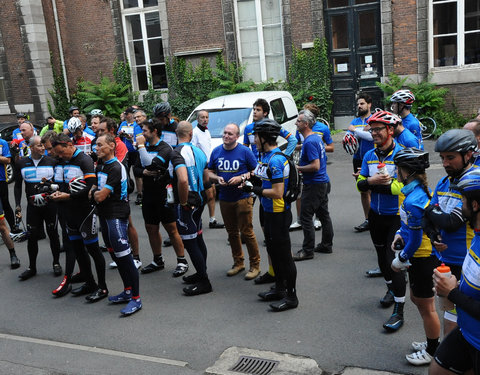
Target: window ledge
(455, 74)
(198, 52)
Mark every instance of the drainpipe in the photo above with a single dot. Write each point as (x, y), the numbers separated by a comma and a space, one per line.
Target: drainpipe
(60, 47)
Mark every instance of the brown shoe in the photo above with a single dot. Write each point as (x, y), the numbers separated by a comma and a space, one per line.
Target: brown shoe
(252, 273)
(235, 269)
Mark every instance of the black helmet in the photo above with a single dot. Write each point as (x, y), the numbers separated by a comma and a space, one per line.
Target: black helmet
(162, 109)
(456, 140)
(22, 115)
(412, 158)
(268, 128)
(72, 108)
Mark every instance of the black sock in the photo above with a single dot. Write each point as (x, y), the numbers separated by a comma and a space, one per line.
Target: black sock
(182, 260)
(158, 259)
(432, 345)
(11, 251)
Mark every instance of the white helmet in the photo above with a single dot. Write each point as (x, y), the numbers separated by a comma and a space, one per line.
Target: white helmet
(73, 124)
(77, 184)
(95, 112)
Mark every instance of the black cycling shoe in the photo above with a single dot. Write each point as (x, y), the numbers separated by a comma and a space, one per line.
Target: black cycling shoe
(77, 278)
(284, 304)
(57, 269)
(396, 320)
(272, 295)
(84, 289)
(201, 287)
(14, 262)
(63, 288)
(388, 299)
(375, 272)
(28, 273)
(191, 279)
(139, 199)
(266, 278)
(152, 267)
(98, 295)
(362, 227)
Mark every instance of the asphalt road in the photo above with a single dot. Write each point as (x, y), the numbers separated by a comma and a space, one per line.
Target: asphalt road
(338, 322)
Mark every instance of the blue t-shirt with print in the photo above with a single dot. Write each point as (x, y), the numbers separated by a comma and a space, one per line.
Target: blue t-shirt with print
(231, 163)
(312, 149)
(5, 152)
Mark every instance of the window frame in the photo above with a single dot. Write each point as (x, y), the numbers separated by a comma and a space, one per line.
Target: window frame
(142, 12)
(261, 42)
(460, 36)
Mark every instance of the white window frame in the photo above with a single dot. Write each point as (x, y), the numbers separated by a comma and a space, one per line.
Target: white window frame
(141, 11)
(460, 34)
(261, 43)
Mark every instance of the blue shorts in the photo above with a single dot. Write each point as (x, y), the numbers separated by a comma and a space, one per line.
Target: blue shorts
(115, 235)
(189, 222)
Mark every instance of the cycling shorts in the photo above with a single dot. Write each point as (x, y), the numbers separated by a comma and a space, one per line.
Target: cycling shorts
(115, 235)
(420, 276)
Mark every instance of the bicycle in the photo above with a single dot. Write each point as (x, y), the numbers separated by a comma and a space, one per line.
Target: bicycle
(427, 124)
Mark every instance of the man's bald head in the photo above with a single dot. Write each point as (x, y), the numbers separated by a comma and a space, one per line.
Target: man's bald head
(184, 130)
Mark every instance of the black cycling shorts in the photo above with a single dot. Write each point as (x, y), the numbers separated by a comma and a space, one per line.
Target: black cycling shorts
(83, 227)
(455, 269)
(457, 355)
(156, 211)
(420, 276)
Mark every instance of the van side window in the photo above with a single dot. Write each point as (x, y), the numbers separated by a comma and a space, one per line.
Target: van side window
(278, 111)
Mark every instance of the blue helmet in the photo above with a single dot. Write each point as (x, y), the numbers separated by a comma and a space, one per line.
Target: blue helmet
(469, 183)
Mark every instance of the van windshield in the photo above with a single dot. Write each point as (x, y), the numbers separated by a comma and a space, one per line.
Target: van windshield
(218, 119)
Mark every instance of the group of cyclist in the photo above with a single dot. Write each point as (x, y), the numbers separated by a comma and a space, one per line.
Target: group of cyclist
(413, 230)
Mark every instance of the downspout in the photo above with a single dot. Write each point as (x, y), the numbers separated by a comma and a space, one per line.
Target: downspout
(60, 48)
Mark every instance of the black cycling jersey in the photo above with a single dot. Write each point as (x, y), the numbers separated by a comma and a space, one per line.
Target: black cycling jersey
(113, 175)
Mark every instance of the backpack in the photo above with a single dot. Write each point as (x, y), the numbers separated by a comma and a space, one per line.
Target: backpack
(294, 186)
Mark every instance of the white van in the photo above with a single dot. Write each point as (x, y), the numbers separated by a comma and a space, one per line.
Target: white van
(238, 109)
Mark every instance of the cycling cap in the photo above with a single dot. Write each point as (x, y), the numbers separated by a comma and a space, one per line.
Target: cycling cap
(456, 140)
(350, 143)
(413, 159)
(162, 109)
(384, 117)
(403, 96)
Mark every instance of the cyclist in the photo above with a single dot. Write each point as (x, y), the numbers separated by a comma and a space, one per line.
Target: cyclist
(383, 216)
(274, 170)
(402, 101)
(474, 126)
(416, 253)
(459, 352)
(443, 223)
(163, 113)
(21, 118)
(81, 140)
(74, 112)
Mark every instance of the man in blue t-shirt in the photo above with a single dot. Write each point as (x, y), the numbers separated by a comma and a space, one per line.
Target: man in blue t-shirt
(316, 186)
(230, 164)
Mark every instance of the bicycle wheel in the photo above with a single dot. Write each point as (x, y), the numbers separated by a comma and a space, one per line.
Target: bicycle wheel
(322, 120)
(427, 126)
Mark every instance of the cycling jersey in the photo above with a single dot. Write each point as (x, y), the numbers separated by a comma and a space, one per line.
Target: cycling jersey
(313, 149)
(191, 157)
(249, 140)
(5, 152)
(416, 242)
(470, 285)
(364, 145)
(84, 142)
(231, 163)
(32, 173)
(459, 241)
(133, 130)
(168, 133)
(412, 124)
(406, 139)
(112, 175)
(381, 203)
(279, 172)
(319, 128)
(17, 134)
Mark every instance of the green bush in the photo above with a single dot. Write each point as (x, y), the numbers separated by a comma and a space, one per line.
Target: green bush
(60, 103)
(308, 78)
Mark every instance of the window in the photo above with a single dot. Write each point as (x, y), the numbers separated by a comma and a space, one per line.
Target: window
(3, 95)
(260, 39)
(144, 43)
(455, 29)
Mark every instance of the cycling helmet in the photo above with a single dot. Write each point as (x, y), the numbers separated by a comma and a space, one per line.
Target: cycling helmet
(267, 127)
(72, 108)
(22, 115)
(96, 112)
(74, 124)
(469, 183)
(385, 118)
(413, 159)
(77, 184)
(403, 96)
(19, 237)
(161, 109)
(350, 143)
(456, 140)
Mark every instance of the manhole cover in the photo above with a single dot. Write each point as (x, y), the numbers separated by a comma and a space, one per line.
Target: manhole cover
(254, 365)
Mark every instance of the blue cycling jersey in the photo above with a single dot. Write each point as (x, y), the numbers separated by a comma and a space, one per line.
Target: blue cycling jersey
(470, 285)
(407, 139)
(133, 130)
(249, 140)
(363, 145)
(412, 124)
(5, 152)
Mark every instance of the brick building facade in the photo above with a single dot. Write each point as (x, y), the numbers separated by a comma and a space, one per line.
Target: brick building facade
(410, 37)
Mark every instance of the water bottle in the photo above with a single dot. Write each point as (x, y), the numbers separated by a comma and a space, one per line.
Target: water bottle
(382, 169)
(444, 301)
(170, 197)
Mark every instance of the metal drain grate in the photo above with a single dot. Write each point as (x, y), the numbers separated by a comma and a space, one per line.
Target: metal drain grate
(254, 366)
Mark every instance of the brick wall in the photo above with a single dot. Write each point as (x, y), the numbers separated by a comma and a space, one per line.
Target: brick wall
(466, 97)
(301, 16)
(404, 18)
(195, 25)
